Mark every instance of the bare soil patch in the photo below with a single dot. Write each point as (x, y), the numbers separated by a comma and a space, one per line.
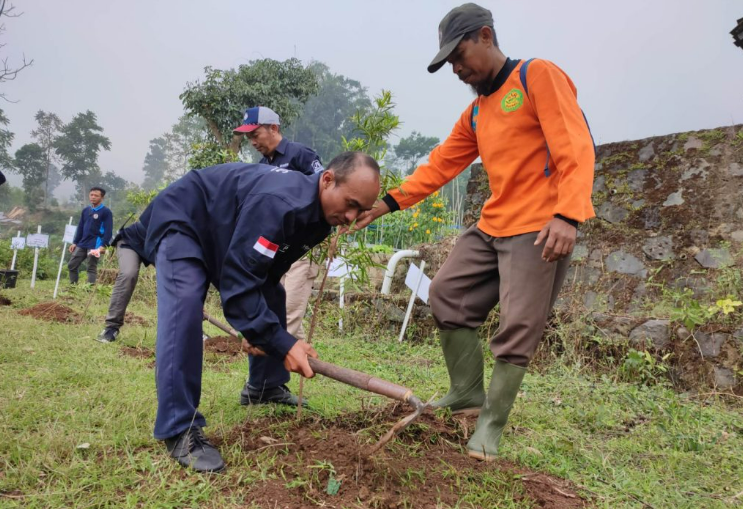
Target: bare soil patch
(224, 346)
(137, 352)
(133, 319)
(4, 301)
(424, 467)
(51, 312)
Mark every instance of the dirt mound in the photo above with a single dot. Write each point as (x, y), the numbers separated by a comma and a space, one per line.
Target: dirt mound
(224, 345)
(4, 301)
(51, 312)
(422, 468)
(133, 319)
(138, 352)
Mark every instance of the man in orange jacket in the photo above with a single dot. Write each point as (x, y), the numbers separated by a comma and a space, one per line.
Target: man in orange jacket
(537, 150)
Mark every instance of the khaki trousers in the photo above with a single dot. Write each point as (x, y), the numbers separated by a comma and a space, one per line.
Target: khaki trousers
(482, 271)
(298, 285)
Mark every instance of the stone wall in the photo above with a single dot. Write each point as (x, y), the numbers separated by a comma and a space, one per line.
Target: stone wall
(669, 217)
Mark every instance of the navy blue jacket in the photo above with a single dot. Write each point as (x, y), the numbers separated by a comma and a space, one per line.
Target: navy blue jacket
(251, 222)
(95, 227)
(134, 235)
(295, 156)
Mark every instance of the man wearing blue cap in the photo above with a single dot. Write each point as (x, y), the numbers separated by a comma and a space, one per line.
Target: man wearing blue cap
(268, 377)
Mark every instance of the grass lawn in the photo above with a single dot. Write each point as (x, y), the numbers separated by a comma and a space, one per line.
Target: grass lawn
(76, 421)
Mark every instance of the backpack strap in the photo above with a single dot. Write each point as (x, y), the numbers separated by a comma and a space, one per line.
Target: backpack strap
(525, 85)
(473, 114)
(522, 75)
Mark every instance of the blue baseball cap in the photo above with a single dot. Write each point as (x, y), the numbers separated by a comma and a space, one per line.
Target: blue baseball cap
(256, 117)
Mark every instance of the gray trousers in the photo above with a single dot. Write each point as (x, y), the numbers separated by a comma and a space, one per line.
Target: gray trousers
(78, 256)
(482, 271)
(126, 282)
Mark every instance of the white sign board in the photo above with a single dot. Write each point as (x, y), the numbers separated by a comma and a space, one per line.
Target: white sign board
(412, 279)
(339, 268)
(17, 242)
(37, 240)
(69, 233)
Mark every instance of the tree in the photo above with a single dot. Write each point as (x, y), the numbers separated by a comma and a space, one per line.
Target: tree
(155, 163)
(45, 133)
(180, 142)
(411, 149)
(326, 117)
(31, 164)
(116, 189)
(223, 96)
(78, 146)
(7, 71)
(6, 138)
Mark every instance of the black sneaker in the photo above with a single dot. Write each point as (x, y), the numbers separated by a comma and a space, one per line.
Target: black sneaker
(108, 335)
(191, 449)
(281, 394)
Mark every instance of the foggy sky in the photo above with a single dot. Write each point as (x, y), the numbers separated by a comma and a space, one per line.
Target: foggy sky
(642, 68)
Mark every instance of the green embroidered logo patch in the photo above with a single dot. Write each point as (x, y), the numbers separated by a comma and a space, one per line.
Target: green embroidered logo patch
(512, 100)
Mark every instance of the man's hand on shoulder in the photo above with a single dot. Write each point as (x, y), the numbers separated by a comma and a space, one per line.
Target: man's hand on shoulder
(296, 359)
(560, 237)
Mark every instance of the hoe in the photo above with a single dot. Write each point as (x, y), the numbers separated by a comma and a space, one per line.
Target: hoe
(361, 381)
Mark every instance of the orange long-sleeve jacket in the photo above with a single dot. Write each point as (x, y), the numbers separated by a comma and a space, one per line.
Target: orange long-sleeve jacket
(510, 131)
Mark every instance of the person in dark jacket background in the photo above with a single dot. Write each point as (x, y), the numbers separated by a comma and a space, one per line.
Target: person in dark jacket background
(129, 244)
(239, 227)
(92, 236)
(268, 377)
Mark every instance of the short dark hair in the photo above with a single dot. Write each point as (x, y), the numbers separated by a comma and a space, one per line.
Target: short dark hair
(268, 126)
(102, 191)
(474, 35)
(346, 163)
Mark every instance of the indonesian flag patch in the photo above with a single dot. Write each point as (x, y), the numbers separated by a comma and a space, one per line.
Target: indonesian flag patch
(266, 247)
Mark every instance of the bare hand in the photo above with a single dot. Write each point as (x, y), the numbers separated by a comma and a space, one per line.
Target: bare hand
(560, 240)
(250, 349)
(72, 248)
(379, 209)
(296, 360)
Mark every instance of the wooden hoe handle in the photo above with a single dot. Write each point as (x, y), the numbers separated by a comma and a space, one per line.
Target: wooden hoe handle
(347, 376)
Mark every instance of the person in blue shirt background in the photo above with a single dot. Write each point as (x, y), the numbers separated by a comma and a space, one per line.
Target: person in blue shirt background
(239, 227)
(93, 234)
(268, 377)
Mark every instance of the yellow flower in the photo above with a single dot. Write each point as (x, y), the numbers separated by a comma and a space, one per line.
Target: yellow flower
(415, 214)
(428, 232)
(415, 225)
(410, 229)
(436, 193)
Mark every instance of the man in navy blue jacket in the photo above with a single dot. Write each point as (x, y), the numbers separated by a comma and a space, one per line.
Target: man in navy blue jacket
(268, 377)
(92, 235)
(239, 227)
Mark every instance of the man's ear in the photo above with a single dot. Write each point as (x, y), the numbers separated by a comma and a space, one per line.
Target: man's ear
(328, 178)
(486, 35)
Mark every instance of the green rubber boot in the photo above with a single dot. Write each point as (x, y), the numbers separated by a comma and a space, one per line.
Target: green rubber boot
(463, 355)
(504, 386)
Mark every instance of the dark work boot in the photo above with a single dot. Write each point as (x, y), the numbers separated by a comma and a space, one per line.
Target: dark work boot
(464, 361)
(192, 450)
(281, 394)
(504, 387)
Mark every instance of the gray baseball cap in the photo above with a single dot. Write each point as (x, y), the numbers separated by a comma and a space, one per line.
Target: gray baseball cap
(460, 21)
